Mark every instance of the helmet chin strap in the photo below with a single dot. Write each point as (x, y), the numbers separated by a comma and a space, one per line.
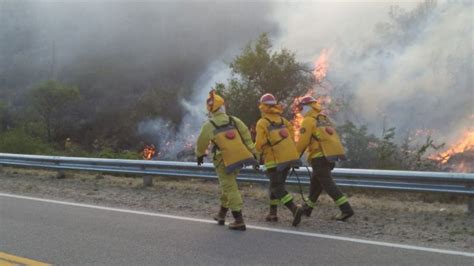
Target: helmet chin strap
(306, 109)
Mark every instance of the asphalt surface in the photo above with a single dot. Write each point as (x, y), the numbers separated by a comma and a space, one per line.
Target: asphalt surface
(78, 235)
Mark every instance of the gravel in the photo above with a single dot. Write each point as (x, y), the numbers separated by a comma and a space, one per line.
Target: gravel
(439, 221)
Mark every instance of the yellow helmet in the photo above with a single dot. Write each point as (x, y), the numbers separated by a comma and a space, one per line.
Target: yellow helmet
(214, 101)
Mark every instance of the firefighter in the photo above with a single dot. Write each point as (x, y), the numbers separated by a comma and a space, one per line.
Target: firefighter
(274, 142)
(319, 138)
(232, 148)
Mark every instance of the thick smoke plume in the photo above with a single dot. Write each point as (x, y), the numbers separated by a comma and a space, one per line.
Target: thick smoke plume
(117, 51)
(408, 64)
(403, 65)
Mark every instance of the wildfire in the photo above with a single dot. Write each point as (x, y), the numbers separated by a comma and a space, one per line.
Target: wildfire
(321, 66)
(296, 123)
(320, 71)
(149, 151)
(464, 144)
(298, 118)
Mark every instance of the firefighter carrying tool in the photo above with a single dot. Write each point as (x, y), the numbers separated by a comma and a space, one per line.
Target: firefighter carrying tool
(232, 149)
(274, 141)
(319, 138)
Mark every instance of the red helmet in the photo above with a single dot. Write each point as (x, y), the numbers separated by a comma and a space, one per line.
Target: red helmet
(268, 98)
(307, 100)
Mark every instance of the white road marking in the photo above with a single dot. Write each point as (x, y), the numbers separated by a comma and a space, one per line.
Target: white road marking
(285, 231)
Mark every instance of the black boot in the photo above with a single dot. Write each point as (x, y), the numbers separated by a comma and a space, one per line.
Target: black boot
(307, 210)
(238, 224)
(346, 212)
(220, 216)
(272, 216)
(297, 212)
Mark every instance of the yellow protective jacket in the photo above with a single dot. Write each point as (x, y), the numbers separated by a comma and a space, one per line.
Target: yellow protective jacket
(276, 151)
(234, 153)
(319, 137)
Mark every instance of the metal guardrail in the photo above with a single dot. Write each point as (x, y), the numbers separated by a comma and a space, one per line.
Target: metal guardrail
(416, 181)
(459, 183)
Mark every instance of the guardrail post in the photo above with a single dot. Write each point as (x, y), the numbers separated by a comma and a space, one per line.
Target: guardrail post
(470, 205)
(147, 180)
(60, 174)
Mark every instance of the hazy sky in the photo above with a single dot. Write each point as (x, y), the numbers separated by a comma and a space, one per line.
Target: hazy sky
(414, 72)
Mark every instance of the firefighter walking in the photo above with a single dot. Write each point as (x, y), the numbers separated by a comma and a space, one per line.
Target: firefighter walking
(319, 138)
(232, 149)
(274, 142)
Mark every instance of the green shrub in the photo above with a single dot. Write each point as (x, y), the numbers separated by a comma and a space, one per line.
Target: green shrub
(111, 154)
(18, 141)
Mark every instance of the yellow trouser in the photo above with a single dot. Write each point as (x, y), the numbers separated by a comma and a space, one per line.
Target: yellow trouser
(230, 194)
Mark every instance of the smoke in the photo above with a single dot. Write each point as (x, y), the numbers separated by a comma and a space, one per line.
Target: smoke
(138, 41)
(116, 51)
(395, 63)
(407, 65)
(179, 143)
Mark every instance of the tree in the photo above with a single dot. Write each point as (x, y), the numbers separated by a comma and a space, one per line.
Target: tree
(54, 103)
(361, 147)
(257, 71)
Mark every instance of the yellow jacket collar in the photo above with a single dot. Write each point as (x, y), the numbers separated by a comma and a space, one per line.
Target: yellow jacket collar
(270, 109)
(312, 113)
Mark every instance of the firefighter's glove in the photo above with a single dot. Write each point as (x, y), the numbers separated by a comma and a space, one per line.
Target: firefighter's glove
(256, 167)
(295, 167)
(200, 160)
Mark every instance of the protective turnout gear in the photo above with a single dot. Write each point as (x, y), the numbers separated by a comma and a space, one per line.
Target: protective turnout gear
(307, 210)
(324, 147)
(319, 137)
(281, 145)
(279, 195)
(229, 189)
(214, 101)
(227, 139)
(238, 224)
(346, 212)
(256, 167)
(272, 215)
(321, 179)
(274, 139)
(309, 101)
(230, 195)
(329, 140)
(297, 213)
(220, 216)
(305, 109)
(306, 100)
(200, 160)
(268, 99)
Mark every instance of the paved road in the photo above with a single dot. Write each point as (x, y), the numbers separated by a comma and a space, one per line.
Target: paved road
(63, 234)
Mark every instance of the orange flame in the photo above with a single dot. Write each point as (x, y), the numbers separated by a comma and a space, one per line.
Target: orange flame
(149, 151)
(298, 119)
(321, 66)
(465, 143)
(296, 123)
